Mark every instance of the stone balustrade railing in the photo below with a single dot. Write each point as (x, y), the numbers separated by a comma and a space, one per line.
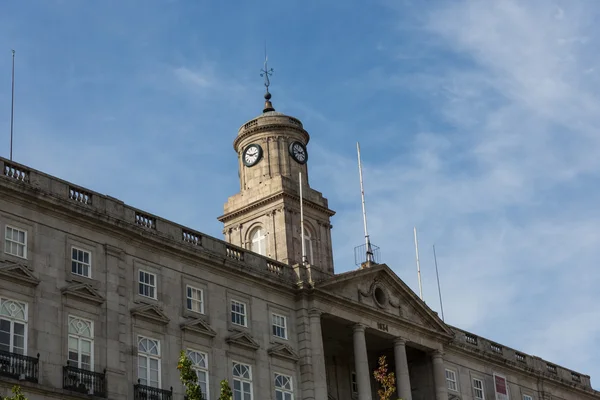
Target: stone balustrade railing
(505, 354)
(86, 200)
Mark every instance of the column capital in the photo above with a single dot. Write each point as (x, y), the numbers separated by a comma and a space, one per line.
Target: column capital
(399, 341)
(437, 354)
(358, 327)
(315, 313)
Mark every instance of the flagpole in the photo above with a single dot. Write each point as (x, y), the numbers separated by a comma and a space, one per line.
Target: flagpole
(302, 221)
(12, 105)
(438, 282)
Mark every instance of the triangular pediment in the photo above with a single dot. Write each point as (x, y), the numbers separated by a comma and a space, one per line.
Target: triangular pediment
(283, 351)
(199, 326)
(150, 312)
(18, 273)
(243, 339)
(379, 287)
(83, 291)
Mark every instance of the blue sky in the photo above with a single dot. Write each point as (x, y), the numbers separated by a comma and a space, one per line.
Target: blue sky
(477, 122)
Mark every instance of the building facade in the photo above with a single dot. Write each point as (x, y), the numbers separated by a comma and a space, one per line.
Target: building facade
(98, 299)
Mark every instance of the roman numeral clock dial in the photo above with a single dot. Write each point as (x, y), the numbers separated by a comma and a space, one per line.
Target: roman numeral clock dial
(298, 152)
(252, 155)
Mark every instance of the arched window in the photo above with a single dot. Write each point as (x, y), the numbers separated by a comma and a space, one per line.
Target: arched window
(308, 245)
(258, 241)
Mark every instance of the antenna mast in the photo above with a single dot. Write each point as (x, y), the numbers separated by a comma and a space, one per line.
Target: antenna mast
(12, 105)
(302, 222)
(362, 194)
(438, 282)
(418, 264)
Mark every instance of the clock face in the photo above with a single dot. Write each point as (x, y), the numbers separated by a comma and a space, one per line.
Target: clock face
(298, 152)
(252, 155)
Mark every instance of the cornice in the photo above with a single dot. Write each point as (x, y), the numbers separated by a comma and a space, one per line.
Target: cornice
(83, 291)
(18, 273)
(270, 127)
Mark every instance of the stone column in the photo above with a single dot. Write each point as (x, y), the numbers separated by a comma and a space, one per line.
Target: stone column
(361, 363)
(439, 376)
(317, 355)
(402, 375)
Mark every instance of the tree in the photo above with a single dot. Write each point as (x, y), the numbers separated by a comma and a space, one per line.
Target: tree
(17, 395)
(226, 393)
(386, 380)
(188, 377)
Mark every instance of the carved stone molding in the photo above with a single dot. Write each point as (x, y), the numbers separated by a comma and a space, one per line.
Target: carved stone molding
(84, 292)
(243, 339)
(283, 351)
(18, 273)
(150, 312)
(199, 326)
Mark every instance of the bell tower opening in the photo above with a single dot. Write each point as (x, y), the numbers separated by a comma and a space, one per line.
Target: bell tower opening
(264, 216)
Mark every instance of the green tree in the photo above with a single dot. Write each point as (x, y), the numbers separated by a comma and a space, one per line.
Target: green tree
(226, 393)
(189, 378)
(387, 380)
(17, 395)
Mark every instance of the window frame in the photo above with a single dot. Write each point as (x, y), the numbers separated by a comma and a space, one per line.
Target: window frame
(232, 312)
(89, 265)
(12, 320)
(274, 326)
(284, 391)
(79, 339)
(308, 241)
(206, 369)
(190, 300)
(260, 241)
(476, 389)
(353, 383)
(242, 380)
(7, 241)
(155, 286)
(448, 380)
(149, 357)
(527, 397)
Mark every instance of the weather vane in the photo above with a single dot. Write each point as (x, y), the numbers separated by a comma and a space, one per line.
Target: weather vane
(266, 72)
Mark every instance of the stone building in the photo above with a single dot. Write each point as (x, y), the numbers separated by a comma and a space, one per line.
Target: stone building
(98, 298)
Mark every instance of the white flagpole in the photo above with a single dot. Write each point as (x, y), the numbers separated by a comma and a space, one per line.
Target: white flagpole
(438, 282)
(362, 195)
(12, 105)
(418, 264)
(302, 222)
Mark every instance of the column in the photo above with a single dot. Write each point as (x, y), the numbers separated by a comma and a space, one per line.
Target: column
(318, 355)
(439, 376)
(402, 375)
(361, 363)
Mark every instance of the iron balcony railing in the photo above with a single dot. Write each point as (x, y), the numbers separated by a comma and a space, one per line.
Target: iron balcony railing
(18, 366)
(84, 381)
(143, 392)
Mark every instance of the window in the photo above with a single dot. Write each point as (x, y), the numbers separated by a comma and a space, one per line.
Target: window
(81, 262)
(283, 387)
(13, 326)
(451, 380)
(147, 284)
(238, 313)
(258, 242)
(195, 299)
(15, 242)
(81, 343)
(308, 245)
(279, 326)
(242, 381)
(200, 366)
(527, 397)
(353, 383)
(478, 389)
(149, 361)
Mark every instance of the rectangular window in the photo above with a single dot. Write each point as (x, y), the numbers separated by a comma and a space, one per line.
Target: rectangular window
(283, 387)
(242, 381)
(353, 383)
(15, 242)
(149, 361)
(527, 397)
(279, 326)
(451, 380)
(195, 299)
(81, 262)
(238, 313)
(478, 389)
(147, 284)
(81, 343)
(13, 326)
(200, 366)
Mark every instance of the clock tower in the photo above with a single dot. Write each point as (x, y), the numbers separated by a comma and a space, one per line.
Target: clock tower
(264, 216)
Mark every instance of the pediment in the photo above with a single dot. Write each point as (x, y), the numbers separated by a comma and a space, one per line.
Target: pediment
(379, 287)
(18, 273)
(199, 326)
(243, 339)
(150, 312)
(83, 291)
(283, 351)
